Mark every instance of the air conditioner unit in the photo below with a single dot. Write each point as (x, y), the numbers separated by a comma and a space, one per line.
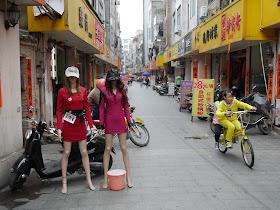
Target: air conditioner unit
(177, 29)
(203, 12)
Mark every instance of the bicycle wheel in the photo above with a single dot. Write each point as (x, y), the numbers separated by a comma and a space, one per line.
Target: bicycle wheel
(143, 138)
(222, 146)
(247, 152)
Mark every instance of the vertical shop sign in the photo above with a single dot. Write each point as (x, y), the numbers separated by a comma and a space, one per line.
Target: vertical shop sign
(29, 85)
(186, 89)
(171, 89)
(0, 92)
(270, 84)
(203, 93)
(205, 71)
(99, 35)
(194, 72)
(247, 82)
(278, 78)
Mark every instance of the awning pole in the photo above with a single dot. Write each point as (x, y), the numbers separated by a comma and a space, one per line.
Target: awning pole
(263, 69)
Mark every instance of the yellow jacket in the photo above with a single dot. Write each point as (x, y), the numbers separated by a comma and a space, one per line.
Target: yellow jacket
(222, 108)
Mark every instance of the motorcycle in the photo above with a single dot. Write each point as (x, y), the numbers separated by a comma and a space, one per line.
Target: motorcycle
(259, 118)
(32, 156)
(163, 89)
(141, 137)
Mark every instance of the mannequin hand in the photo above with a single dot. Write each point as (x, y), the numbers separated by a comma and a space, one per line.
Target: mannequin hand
(132, 129)
(59, 134)
(254, 109)
(92, 132)
(99, 132)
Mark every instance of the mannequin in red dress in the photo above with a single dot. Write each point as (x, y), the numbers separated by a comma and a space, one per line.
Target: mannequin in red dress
(73, 98)
(116, 102)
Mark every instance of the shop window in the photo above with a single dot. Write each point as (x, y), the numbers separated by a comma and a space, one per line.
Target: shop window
(192, 8)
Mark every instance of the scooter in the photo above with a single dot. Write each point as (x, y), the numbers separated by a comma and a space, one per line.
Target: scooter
(259, 118)
(163, 89)
(32, 156)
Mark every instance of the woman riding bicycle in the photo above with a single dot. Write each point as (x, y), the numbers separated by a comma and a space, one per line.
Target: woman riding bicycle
(229, 120)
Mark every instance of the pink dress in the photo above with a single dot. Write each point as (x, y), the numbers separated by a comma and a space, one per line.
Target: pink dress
(117, 110)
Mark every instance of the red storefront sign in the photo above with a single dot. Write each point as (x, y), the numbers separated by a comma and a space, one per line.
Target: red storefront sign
(270, 84)
(278, 78)
(99, 35)
(205, 71)
(29, 85)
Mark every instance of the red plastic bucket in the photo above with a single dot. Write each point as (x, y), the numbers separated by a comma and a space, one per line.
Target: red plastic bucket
(116, 179)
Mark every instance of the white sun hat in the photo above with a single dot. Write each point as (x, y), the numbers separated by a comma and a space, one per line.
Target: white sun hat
(72, 71)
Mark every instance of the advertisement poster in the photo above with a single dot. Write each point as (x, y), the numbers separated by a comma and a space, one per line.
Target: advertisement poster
(29, 85)
(203, 93)
(153, 80)
(124, 79)
(171, 89)
(186, 88)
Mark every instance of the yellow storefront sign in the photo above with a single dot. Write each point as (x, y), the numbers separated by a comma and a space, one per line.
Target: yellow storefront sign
(239, 21)
(203, 93)
(78, 20)
(270, 14)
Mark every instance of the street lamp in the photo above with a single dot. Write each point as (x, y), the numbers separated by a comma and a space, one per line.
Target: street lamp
(12, 16)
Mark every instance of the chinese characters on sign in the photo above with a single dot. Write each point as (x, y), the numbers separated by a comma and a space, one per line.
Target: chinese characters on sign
(278, 78)
(270, 84)
(99, 35)
(194, 72)
(186, 88)
(81, 21)
(230, 23)
(210, 34)
(203, 93)
(188, 43)
(171, 89)
(29, 85)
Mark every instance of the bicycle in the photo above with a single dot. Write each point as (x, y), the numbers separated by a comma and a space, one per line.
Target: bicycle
(246, 145)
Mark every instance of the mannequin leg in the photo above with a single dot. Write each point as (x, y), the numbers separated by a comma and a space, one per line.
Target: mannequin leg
(106, 157)
(64, 164)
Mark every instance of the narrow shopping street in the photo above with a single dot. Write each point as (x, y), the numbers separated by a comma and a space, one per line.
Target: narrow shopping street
(177, 170)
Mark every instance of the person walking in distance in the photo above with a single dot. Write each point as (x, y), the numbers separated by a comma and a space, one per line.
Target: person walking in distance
(116, 102)
(75, 101)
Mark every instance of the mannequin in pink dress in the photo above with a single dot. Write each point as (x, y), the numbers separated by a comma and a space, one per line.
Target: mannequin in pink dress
(116, 102)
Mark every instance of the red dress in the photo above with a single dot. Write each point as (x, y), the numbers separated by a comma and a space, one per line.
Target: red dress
(116, 110)
(76, 131)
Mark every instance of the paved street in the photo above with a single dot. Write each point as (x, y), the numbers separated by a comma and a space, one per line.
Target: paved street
(175, 171)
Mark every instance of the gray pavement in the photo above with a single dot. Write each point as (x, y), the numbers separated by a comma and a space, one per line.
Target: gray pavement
(175, 171)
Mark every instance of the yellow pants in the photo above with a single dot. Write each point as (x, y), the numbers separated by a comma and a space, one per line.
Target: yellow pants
(231, 126)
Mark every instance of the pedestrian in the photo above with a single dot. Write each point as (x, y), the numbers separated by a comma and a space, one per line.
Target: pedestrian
(75, 101)
(116, 102)
(141, 81)
(147, 81)
(95, 97)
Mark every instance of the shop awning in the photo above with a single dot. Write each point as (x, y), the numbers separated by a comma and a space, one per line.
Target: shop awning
(78, 26)
(29, 2)
(235, 27)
